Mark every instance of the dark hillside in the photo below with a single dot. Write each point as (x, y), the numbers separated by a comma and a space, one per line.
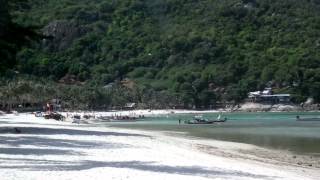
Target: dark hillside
(197, 51)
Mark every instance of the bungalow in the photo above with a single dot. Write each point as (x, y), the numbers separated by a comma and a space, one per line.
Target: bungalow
(130, 106)
(266, 96)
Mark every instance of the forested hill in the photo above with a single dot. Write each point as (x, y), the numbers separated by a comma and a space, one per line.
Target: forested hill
(198, 50)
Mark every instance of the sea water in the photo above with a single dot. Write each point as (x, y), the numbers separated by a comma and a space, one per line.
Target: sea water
(271, 130)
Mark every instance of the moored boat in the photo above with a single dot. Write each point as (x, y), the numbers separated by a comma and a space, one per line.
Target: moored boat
(308, 118)
(201, 120)
(121, 118)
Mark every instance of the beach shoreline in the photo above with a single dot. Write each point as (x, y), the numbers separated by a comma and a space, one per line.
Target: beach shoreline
(61, 150)
(158, 112)
(248, 107)
(250, 153)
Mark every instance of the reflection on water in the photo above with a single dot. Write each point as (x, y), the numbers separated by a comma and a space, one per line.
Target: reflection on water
(273, 130)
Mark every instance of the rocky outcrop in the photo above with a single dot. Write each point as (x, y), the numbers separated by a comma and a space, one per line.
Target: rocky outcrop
(70, 80)
(285, 107)
(61, 34)
(257, 107)
(310, 105)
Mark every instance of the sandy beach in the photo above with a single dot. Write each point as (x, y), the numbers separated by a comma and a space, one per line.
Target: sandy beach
(35, 148)
(145, 112)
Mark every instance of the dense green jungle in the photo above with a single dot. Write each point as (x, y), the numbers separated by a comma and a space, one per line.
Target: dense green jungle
(98, 54)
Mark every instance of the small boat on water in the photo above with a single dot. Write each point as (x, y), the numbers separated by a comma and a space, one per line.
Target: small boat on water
(201, 120)
(308, 119)
(121, 118)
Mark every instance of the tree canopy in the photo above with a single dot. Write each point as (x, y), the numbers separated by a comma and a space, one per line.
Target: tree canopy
(197, 51)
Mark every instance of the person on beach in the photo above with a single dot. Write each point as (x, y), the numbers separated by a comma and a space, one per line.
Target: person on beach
(179, 121)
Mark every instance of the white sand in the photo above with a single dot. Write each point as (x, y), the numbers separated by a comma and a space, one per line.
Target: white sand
(47, 149)
(144, 112)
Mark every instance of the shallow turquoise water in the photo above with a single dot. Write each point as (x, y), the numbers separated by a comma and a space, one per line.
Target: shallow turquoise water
(272, 130)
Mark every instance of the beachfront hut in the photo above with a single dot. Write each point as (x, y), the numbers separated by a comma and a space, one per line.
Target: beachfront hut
(266, 96)
(130, 106)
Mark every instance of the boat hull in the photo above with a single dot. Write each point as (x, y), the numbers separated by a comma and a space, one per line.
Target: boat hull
(202, 122)
(308, 119)
(198, 122)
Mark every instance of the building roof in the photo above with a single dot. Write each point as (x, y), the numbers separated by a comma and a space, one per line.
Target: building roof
(266, 95)
(276, 95)
(130, 105)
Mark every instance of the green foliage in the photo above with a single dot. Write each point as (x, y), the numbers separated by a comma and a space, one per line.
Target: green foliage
(12, 35)
(198, 52)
